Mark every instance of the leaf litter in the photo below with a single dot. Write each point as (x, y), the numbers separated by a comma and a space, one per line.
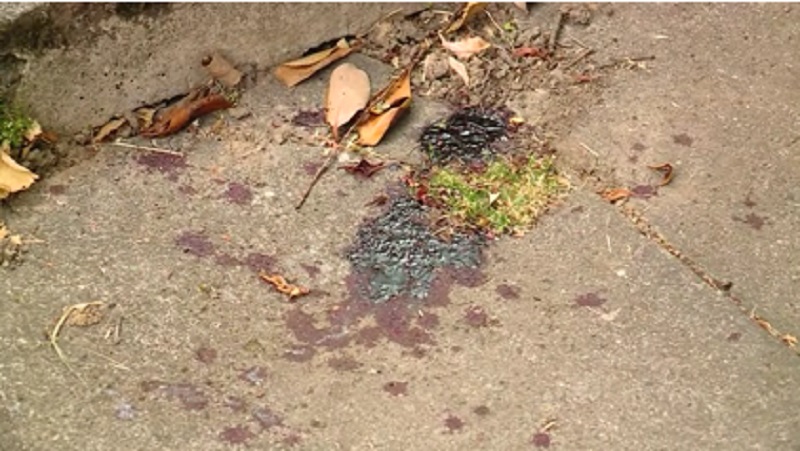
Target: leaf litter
(348, 93)
(283, 286)
(294, 72)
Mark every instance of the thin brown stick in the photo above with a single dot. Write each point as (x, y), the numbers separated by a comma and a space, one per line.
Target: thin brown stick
(579, 58)
(322, 170)
(146, 148)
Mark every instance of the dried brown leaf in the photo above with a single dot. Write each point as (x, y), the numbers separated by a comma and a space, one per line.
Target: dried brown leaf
(13, 176)
(363, 168)
(348, 93)
(615, 194)
(144, 117)
(465, 48)
(293, 72)
(108, 129)
(284, 287)
(790, 340)
(666, 171)
(385, 109)
(82, 315)
(464, 14)
(175, 117)
(459, 68)
(221, 69)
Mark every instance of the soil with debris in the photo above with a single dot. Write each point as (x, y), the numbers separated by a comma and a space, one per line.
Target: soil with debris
(399, 254)
(466, 136)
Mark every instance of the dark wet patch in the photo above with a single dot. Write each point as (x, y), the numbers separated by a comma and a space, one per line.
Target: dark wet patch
(734, 337)
(589, 300)
(235, 403)
(453, 423)
(309, 118)
(397, 255)
(191, 397)
(753, 220)
(682, 140)
(236, 435)
(749, 202)
(644, 191)
(267, 418)
(476, 316)
(507, 291)
(344, 363)
(299, 353)
(224, 259)
(638, 147)
(57, 190)
(466, 136)
(254, 375)
(481, 411)
(238, 193)
(206, 355)
(195, 243)
(165, 163)
(312, 270)
(396, 388)
(258, 261)
(292, 439)
(541, 440)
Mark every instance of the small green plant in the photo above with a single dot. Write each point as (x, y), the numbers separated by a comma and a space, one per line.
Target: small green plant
(13, 125)
(505, 198)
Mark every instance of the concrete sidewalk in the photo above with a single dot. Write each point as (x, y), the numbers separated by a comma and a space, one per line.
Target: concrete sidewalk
(583, 334)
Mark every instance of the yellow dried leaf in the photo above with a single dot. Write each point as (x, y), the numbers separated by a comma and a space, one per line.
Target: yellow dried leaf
(466, 47)
(284, 287)
(293, 72)
(348, 93)
(464, 14)
(459, 68)
(13, 176)
(385, 109)
(108, 129)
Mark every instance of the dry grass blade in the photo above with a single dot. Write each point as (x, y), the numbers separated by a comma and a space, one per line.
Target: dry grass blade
(84, 314)
(459, 68)
(348, 93)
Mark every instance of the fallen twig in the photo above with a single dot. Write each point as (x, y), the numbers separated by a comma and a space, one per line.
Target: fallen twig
(322, 170)
(551, 45)
(579, 58)
(632, 59)
(146, 148)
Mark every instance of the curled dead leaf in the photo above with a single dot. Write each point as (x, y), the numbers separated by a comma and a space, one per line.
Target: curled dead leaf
(293, 72)
(464, 14)
(348, 93)
(196, 104)
(666, 171)
(616, 194)
(108, 129)
(459, 68)
(13, 176)
(465, 48)
(221, 69)
(284, 287)
(385, 108)
(144, 117)
(363, 168)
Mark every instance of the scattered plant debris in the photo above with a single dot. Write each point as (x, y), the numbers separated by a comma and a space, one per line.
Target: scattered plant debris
(13, 177)
(464, 15)
(459, 68)
(385, 108)
(616, 194)
(284, 287)
(197, 103)
(364, 168)
(221, 69)
(10, 246)
(293, 72)
(465, 48)
(81, 315)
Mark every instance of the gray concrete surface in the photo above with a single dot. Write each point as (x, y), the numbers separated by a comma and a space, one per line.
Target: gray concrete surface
(721, 106)
(659, 360)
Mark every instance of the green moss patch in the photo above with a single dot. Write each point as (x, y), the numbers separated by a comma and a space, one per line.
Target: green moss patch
(13, 125)
(505, 198)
